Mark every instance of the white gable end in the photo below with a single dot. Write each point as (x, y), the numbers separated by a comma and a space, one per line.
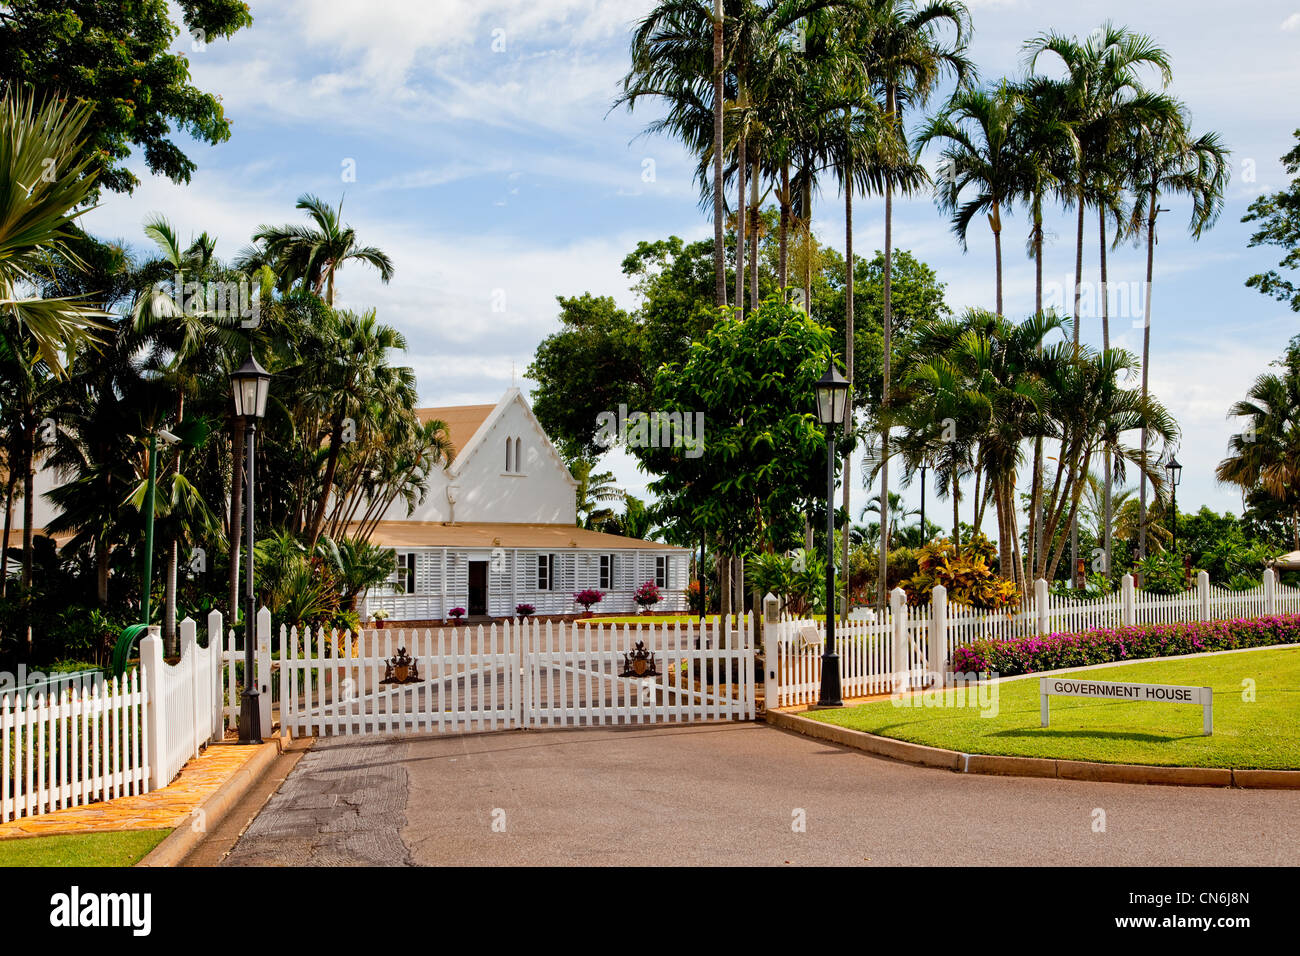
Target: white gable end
(524, 482)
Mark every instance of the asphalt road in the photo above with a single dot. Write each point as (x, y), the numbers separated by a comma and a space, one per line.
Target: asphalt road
(743, 794)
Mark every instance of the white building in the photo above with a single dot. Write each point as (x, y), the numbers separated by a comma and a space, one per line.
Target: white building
(498, 528)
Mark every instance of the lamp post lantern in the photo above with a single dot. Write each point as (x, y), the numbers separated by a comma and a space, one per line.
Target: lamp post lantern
(1175, 472)
(250, 384)
(832, 408)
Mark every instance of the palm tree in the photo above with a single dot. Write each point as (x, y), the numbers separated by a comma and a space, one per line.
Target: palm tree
(44, 186)
(312, 254)
(979, 161)
(906, 62)
(1105, 98)
(1265, 455)
(1165, 159)
(593, 491)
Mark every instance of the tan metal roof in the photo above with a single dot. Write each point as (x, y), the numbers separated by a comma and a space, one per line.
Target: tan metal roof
(487, 534)
(463, 421)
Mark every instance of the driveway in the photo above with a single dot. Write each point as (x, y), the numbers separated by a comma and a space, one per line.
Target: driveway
(728, 794)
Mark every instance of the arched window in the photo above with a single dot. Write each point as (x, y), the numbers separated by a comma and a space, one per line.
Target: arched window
(519, 455)
(509, 451)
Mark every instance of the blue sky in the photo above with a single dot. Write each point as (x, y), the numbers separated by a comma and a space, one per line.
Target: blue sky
(473, 142)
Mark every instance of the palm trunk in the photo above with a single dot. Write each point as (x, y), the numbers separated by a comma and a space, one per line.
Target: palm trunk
(1078, 291)
(887, 346)
(29, 491)
(1104, 296)
(742, 233)
(236, 517)
(849, 342)
(807, 248)
(1036, 492)
(719, 253)
(995, 223)
(956, 514)
(102, 556)
(10, 480)
(1146, 356)
(753, 237)
(783, 256)
(170, 638)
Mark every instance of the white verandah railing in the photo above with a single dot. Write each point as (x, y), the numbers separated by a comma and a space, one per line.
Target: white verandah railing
(870, 649)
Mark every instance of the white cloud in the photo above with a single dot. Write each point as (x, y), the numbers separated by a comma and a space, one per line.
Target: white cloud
(1292, 22)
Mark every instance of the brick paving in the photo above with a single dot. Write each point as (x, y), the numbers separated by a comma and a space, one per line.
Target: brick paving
(168, 808)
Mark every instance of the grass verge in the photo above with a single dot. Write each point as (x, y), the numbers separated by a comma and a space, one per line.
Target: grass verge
(1256, 717)
(125, 848)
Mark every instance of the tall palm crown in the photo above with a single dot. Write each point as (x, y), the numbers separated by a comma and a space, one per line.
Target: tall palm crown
(979, 162)
(313, 254)
(38, 212)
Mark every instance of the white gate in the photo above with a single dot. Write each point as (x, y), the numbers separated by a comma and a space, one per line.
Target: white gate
(509, 675)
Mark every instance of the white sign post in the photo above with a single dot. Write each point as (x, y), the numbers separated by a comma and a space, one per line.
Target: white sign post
(1109, 690)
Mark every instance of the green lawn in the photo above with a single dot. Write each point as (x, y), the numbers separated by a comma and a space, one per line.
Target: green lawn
(1259, 734)
(91, 849)
(682, 619)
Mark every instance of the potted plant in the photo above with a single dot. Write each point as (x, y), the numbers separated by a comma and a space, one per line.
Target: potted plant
(587, 598)
(379, 617)
(525, 610)
(647, 596)
(456, 614)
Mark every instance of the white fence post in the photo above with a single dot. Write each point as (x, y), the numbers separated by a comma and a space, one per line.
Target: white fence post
(939, 634)
(1203, 595)
(263, 669)
(1042, 608)
(1270, 591)
(1128, 600)
(190, 649)
(216, 656)
(155, 720)
(771, 651)
(898, 619)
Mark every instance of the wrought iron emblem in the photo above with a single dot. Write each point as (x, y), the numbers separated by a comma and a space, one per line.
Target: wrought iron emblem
(639, 663)
(402, 669)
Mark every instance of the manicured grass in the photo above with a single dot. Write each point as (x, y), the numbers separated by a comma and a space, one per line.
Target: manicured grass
(648, 619)
(91, 849)
(1259, 734)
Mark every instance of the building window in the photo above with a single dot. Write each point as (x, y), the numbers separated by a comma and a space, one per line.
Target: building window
(509, 452)
(545, 567)
(519, 457)
(606, 572)
(406, 572)
(661, 571)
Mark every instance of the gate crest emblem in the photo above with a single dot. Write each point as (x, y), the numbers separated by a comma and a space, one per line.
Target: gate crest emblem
(401, 669)
(639, 663)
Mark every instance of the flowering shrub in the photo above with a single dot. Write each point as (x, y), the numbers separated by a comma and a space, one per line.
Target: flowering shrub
(647, 595)
(589, 597)
(456, 613)
(966, 573)
(1026, 655)
(693, 598)
(525, 610)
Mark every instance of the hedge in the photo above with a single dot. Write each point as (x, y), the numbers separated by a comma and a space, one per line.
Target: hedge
(1027, 655)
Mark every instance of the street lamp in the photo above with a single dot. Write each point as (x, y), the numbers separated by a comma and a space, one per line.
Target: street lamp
(250, 384)
(1175, 473)
(832, 406)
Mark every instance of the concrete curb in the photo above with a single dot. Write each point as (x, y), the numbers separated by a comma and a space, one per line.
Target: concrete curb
(177, 844)
(989, 764)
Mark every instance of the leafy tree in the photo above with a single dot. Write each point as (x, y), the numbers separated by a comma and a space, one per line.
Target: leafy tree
(119, 57)
(1278, 215)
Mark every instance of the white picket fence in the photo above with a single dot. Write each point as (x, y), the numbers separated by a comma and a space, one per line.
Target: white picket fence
(100, 739)
(508, 675)
(895, 651)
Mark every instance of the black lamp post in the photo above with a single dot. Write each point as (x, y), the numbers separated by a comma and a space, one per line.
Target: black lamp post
(832, 406)
(250, 384)
(1175, 473)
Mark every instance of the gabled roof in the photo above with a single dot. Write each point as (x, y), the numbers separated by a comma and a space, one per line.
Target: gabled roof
(469, 423)
(463, 421)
